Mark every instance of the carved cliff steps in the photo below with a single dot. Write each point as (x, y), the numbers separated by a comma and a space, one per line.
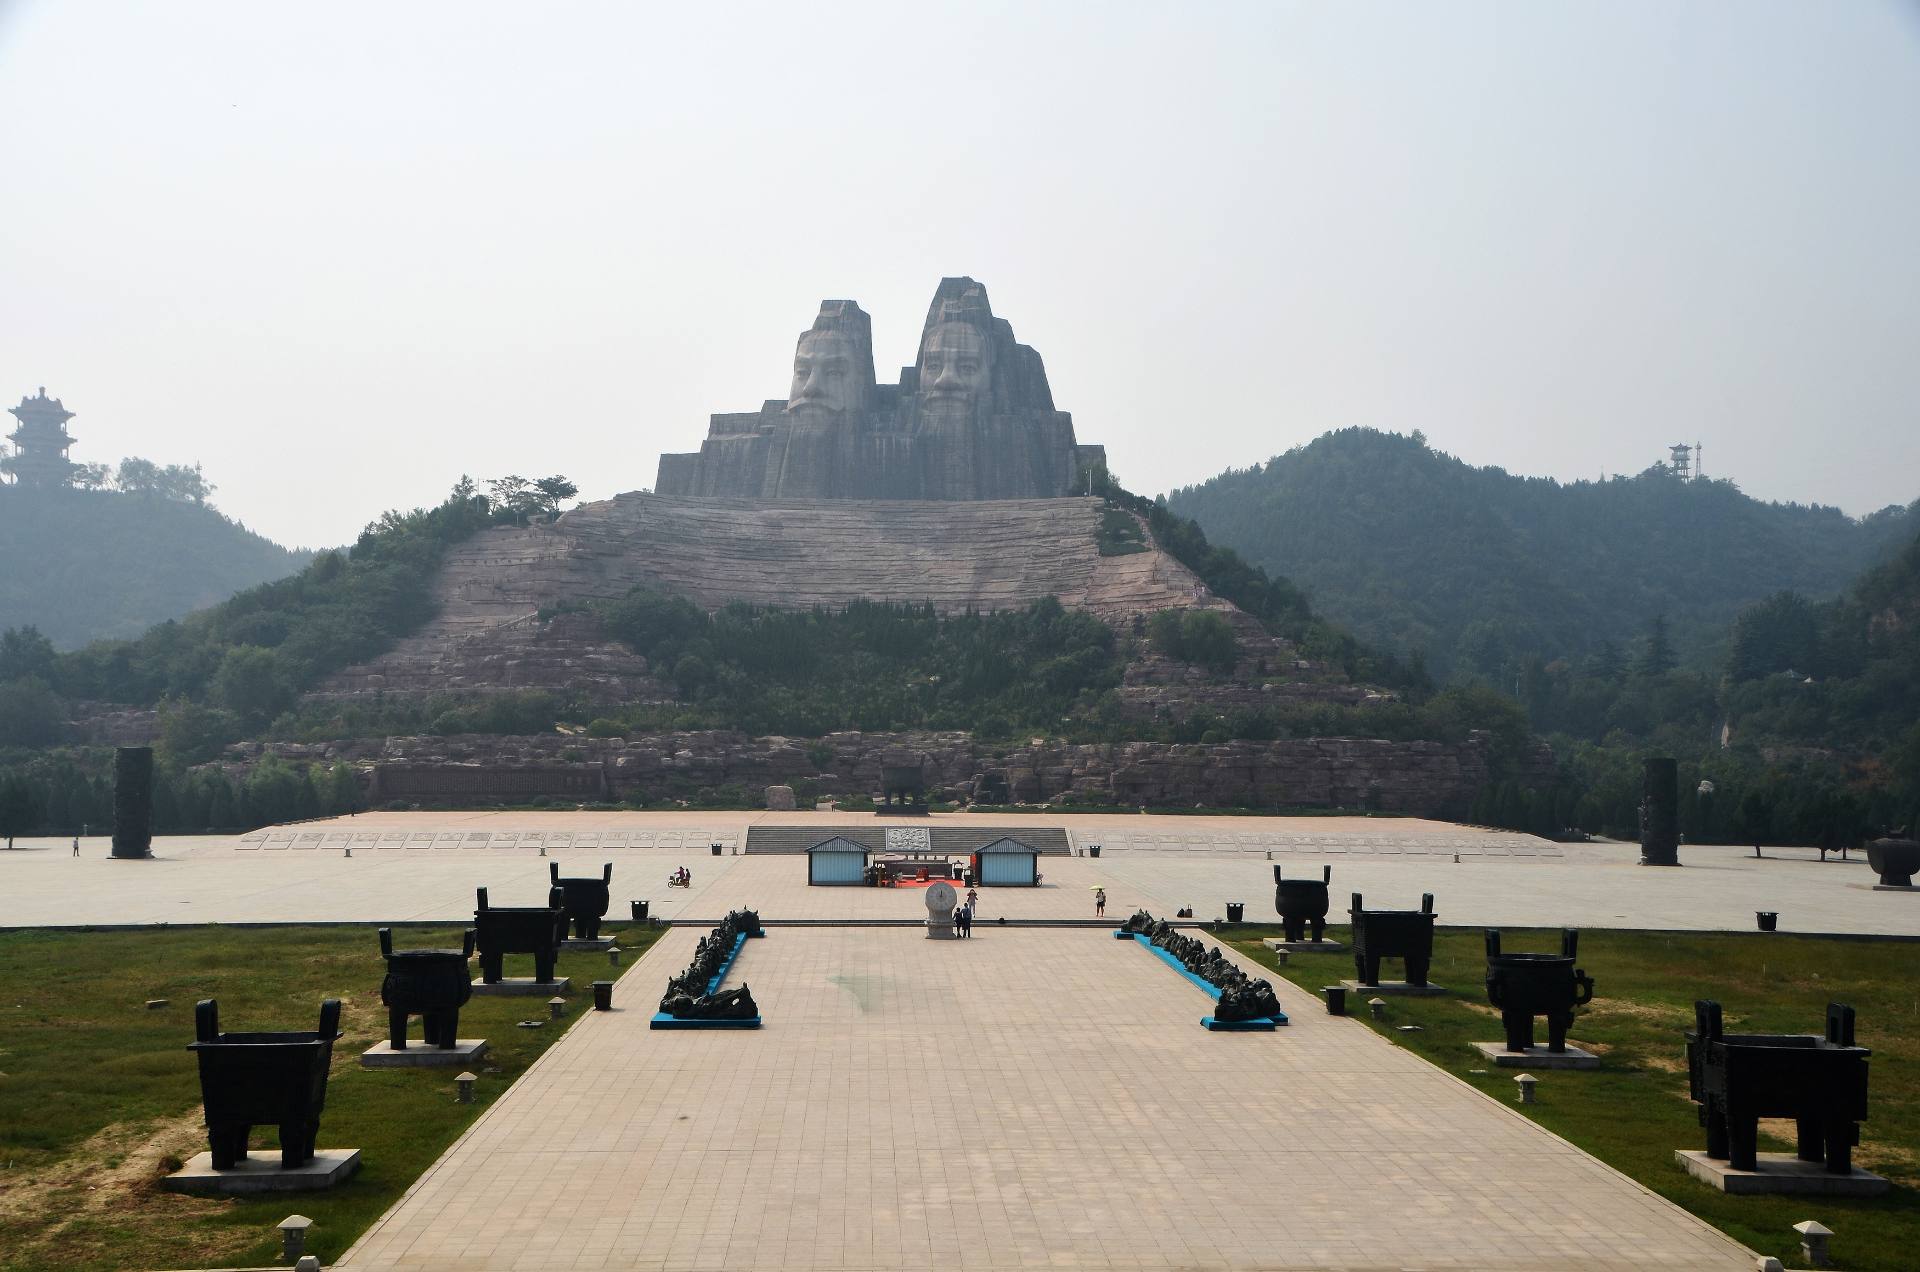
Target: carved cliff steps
(956, 556)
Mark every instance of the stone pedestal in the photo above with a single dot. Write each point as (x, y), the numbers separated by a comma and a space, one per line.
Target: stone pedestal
(1780, 1173)
(1304, 947)
(1389, 989)
(939, 931)
(262, 1173)
(598, 945)
(1537, 1057)
(1896, 887)
(523, 985)
(418, 1055)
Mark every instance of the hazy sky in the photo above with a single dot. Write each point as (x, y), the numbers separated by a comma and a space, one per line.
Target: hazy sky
(341, 253)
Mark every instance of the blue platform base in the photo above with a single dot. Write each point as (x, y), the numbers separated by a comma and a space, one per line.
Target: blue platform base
(663, 1021)
(1263, 1024)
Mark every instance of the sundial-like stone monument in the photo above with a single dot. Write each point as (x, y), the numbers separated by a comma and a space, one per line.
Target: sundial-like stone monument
(973, 418)
(941, 898)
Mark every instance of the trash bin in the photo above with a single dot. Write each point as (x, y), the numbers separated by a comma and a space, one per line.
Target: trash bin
(1236, 910)
(1093, 850)
(1768, 919)
(716, 849)
(603, 995)
(639, 911)
(1336, 999)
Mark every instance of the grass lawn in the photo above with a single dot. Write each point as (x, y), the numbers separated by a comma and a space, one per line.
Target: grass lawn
(99, 1097)
(1634, 1111)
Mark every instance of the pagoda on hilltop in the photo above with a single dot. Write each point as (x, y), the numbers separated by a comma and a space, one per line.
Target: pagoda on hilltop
(40, 443)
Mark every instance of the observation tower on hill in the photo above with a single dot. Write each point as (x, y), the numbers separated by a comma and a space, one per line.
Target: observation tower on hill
(40, 443)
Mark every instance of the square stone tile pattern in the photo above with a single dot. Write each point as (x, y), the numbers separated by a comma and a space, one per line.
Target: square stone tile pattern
(1028, 1099)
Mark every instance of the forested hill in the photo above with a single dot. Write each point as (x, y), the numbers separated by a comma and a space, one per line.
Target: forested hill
(91, 565)
(1415, 550)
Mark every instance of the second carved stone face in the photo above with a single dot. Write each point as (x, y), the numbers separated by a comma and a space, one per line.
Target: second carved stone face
(956, 363)
(826, 379)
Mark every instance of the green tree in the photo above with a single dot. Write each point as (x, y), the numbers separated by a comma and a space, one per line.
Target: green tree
(25, 652)
(1656, 655)
(343, 788)
(191, 733)
(252, 684)
(1207, 639)
(30, 714)
(19, 807)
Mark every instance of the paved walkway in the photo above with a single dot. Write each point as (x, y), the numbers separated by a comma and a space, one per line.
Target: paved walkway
(1032, 1098)
(408, 869)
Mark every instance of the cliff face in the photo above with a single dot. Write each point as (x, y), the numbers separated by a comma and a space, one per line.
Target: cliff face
(956, 556)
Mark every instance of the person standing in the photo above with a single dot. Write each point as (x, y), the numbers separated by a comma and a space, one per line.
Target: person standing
(1099, 903)
(966, 922)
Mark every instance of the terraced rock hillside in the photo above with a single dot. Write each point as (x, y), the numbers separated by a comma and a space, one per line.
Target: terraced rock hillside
(956, 556)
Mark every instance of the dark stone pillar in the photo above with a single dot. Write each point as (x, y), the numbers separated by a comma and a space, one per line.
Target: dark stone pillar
(133, 801)
(1660, 813)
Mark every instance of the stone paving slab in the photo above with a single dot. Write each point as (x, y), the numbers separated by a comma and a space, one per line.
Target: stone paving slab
(919, 1104)
(209, 880)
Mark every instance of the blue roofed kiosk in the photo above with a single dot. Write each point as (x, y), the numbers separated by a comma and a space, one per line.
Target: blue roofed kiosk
(1007, 863)
(837, 862)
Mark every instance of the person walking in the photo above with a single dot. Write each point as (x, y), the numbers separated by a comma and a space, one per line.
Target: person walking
(973, 897)
(76, 845)
(1099, 903)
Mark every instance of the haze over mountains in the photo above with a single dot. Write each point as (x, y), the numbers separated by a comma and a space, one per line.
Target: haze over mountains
(1414, 550)
(93, 565)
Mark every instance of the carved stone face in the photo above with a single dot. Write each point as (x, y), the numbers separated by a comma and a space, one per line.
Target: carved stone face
(955, 363)
(825, 375)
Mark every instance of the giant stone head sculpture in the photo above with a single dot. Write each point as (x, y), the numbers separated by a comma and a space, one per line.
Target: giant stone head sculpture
(833, 365)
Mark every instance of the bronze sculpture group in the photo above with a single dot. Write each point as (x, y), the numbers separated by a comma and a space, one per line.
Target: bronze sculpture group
(1242, 997)
(694, 995)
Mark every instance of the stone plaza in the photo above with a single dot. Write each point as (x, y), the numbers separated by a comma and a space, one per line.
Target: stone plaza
(1037, 1097)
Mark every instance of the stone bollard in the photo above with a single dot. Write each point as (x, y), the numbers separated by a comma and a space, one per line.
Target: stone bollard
(556, 1007)
(1377, 1007)
(1767, 1263)
(1526, 1082)
(307, 1263)
(293, 1236)
(1280, 957)
(1813, 1241)
(613, 956)
(464, 1085)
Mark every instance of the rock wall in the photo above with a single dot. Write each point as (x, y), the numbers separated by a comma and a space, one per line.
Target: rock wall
(1429, 778)
(955, 556)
